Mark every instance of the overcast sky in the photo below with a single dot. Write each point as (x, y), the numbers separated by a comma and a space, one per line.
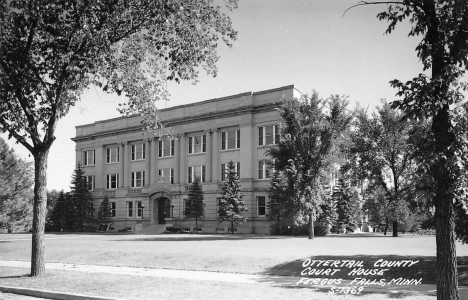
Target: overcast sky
(308, 43)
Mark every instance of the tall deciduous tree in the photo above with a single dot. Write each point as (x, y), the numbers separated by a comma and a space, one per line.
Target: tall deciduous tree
(382, 153)
(443, 50)
(82, 199)
(16, 181)
(231, 206)
(51, 51)
(309, 128)
(195, 207)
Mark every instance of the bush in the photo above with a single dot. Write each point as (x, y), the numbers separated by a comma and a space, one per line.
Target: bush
(173, 229)
(320, 229)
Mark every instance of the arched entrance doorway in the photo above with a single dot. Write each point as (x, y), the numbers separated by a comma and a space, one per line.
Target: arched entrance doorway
(161, 207)
(164, 210)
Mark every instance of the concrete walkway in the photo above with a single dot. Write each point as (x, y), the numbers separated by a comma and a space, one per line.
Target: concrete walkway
(420, 289)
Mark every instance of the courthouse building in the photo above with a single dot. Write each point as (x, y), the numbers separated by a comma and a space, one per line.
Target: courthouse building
(146, 178)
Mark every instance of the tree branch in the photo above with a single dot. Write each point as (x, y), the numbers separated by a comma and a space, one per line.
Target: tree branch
(361, 3)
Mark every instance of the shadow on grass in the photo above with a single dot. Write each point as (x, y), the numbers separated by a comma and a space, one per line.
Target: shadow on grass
(201, 238)
(426, 268)
(16, 276)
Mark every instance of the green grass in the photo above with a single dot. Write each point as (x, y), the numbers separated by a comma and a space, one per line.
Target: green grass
(249, 254)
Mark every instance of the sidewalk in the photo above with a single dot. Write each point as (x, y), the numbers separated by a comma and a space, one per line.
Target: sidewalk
(421, 289)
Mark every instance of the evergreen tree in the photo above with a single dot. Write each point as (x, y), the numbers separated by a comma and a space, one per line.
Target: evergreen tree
(58, 212)
(347, 207)
(104, 215)
(231, 205)
(82, 200)
(195, 208)
(67, 220)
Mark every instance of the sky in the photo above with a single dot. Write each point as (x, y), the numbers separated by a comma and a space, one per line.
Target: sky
(308, 43)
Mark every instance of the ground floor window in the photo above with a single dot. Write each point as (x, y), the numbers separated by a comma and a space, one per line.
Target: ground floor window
(261, 206)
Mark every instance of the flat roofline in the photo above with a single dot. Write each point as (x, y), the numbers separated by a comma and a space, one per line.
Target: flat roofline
(201, 102)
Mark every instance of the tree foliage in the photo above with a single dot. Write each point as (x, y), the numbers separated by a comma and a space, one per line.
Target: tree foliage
(382, 153)
(81, 199)
(57, 213)
(104, 215)
(348, 207)
(195, 207)
(308, 130)
(16, 181)
(51, 51)
(437, 95)
(231, 207)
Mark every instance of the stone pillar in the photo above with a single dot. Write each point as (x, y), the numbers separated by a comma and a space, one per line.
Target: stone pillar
(183, 159)
(121, 164)
(215, 167)
(126, 156)
(177, 161)
(154, 161)
(148, 161)
(208, 157)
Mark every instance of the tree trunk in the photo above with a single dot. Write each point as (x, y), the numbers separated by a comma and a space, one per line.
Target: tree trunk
(311, 226)
(395, 228)
(39, 214)
(447, 276)
(386, 227)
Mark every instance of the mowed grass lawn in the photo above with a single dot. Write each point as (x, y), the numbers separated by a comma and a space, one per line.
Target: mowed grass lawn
(250, 254)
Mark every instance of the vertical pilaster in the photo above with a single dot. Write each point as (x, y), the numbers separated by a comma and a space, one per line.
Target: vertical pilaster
(248, 151)
(99, 175)
(126, 182)
(215, 156)
(177, 161)
(153, 161)
(183, 159)
(208, 157)
(148, 161)
(121, 164)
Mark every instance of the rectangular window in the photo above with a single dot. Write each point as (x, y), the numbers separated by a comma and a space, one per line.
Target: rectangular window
(196, 171)
(268, 135)
(90, 182)
(112, 206)
(166, 148)
(230, 140)
(197, 144)
(263, 169)
(261, 206)
(112, 155)
(138, 151)
(129, 209)
(89, 158)
(112, 181)
(224, 171)
(138, 179)
(139, 206)
(166, 175)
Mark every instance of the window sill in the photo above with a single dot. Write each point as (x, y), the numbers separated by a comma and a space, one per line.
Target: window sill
(112, 163)
(199, 153)
(230, 150)
(163, 157)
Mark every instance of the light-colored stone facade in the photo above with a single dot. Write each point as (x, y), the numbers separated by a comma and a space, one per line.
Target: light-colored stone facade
(147, 177)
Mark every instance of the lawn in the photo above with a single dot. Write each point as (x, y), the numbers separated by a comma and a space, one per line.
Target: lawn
(251, 254)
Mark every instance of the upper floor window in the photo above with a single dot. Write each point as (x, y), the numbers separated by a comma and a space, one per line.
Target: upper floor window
(90, 182)
(224, 171)
(166, 148)
(268, 135)
(138, 179)
(89, 158)
(138, 151)
(196, 171)
(197, 144)
(230, 140)
(261, 206)
(112, 155)
(166, 175)
(112, 181)
(263, 169)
